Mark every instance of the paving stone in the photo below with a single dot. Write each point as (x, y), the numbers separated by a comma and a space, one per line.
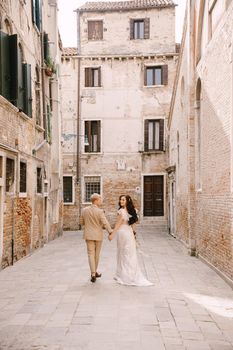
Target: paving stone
(63, 310)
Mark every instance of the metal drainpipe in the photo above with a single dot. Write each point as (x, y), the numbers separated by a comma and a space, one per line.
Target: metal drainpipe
(43, 83)
(78, 159)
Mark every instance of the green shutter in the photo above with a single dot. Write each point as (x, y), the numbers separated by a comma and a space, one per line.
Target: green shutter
(19, 83)
(27, 89)
(34, 11)
(14, 67)
(4, 66)
(49, 131)
(38, 13)
(46, 47)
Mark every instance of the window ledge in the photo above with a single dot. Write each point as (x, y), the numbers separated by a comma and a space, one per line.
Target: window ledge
(39, 128)
(154, 86)
(23, 194)
(92, 88)
(152, 152)
(93, 153)
(69, 203)
(24, 116)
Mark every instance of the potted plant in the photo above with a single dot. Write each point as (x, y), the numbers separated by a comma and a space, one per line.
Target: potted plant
(50, 68)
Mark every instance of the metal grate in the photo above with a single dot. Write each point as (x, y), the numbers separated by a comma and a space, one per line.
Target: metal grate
(92, 185)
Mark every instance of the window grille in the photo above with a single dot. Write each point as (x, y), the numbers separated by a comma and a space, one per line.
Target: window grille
(92, 185)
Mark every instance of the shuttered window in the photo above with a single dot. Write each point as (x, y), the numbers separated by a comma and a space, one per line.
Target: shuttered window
(154, 135)
(48, 126)
(95, 30)
(23, 177)
(36, 13)
(156, 75)
(92, 185)
(92, 136)
(68, 189)
(46, 47)
(15, 76)
(140, 28)
(93, 77)
(9, 67)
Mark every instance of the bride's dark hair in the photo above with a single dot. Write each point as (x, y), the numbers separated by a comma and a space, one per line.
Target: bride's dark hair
(130, 208)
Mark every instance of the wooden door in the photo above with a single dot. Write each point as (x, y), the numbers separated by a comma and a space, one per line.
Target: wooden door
(153, 196)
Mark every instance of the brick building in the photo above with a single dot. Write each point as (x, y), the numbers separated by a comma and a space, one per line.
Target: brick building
(200, 132)
(125, 69)
(30, 161)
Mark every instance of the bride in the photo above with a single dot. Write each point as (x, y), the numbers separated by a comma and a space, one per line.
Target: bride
(128, 271)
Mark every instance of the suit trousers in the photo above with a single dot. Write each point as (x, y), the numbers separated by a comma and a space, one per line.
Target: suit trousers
(93, 251)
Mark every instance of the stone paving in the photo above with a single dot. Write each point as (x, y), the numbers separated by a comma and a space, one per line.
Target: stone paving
(48, 302)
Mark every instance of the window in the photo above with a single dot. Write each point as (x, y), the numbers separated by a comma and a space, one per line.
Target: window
(92, 185)
(92, 77)
(92, 135)
(23, 177)
(39, 180)
(95, 30)
(36, 13)
(156, 75)
(154, 135)
(15, 76)
(38, 97)
(10, 174)
(67, 189)
(140, 28)
(49, 128)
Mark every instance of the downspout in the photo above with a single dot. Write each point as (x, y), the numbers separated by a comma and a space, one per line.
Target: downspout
(78, 156)
(43, 83)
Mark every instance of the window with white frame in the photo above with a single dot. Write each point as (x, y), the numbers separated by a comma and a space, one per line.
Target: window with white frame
(68, 189)
(92, 184)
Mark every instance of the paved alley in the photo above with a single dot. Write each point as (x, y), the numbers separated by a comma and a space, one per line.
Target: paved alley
(48, 302)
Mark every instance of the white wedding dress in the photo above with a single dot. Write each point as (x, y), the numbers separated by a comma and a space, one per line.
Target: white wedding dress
(128, 270)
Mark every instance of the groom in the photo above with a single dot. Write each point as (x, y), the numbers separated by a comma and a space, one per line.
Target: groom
(94, 221)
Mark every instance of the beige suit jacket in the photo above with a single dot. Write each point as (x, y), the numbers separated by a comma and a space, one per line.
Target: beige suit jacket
(94, 221)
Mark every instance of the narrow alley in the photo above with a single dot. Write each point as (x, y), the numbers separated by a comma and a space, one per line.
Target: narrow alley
(48, 302)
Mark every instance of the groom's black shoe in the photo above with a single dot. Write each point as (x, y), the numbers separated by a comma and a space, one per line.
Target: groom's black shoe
(93, 279)
(97, 275)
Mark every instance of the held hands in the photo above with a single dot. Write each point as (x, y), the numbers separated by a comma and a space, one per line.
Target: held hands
(110, 236)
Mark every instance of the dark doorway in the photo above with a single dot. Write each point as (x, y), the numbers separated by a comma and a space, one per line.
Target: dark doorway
(153, 196)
